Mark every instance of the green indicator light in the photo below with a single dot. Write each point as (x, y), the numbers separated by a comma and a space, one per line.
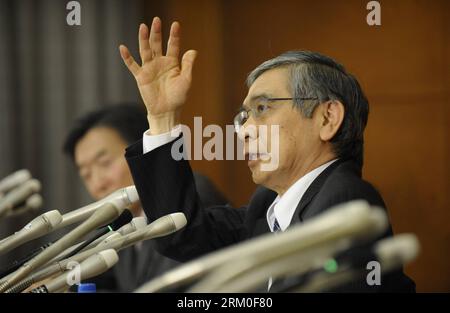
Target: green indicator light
(330, 266)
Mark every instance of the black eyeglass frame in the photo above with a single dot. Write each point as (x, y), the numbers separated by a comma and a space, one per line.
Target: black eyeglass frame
(238, 125)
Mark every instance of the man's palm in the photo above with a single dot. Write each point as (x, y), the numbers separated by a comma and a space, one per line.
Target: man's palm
(163, 84)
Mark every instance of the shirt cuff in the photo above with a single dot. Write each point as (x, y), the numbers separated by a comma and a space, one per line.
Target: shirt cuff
(151, 142)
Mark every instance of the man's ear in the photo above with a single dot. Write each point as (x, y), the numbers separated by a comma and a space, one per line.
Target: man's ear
(332, 116)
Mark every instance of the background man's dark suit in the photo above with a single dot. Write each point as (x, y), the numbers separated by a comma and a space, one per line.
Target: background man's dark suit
(166, 186)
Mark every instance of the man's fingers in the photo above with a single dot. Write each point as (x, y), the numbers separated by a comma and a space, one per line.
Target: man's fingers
(144, 45)
(155, 38)
(128, 60)
(173, 45)
(187, 63)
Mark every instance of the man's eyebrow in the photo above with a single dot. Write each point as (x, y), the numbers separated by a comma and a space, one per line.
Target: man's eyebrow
(260, 96)
(96, 157)
(254, 98)
(100, 154)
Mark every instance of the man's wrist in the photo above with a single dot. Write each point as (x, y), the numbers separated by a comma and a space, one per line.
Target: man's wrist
(163, 123)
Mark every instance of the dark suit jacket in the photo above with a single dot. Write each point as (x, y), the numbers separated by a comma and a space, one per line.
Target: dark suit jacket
(166, 186)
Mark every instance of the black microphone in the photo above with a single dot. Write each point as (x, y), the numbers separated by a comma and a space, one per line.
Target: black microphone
(123, 219)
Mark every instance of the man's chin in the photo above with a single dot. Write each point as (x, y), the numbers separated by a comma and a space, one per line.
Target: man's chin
(259, 177)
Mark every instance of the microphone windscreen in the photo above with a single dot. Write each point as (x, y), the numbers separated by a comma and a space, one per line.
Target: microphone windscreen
(179, 219)
(53, 218)
(110, 257)
(14, 179)
(35, 201)
(132, 194)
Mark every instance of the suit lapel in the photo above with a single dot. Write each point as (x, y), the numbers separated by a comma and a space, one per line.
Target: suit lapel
(312, 190)
(261, 227)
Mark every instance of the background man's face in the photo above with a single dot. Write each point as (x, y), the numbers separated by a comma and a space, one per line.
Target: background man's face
(99, 156)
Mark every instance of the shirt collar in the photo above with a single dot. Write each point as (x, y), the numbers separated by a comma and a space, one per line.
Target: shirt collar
(283, 208)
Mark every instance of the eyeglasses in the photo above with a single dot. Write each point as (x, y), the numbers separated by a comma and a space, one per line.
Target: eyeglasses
(258, 110)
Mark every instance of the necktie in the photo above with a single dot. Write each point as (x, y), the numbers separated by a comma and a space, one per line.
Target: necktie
(276, 229)
(276, 226)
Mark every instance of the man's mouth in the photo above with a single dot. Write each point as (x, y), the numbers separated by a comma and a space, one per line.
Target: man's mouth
(254, 158)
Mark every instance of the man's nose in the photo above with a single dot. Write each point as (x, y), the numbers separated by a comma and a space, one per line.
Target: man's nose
(248, 130)
(100, 186)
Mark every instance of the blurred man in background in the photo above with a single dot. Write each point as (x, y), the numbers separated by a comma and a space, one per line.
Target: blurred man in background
(96, 144)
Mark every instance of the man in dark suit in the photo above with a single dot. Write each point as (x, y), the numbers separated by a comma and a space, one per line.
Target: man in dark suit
(306, 112)
(96, 144)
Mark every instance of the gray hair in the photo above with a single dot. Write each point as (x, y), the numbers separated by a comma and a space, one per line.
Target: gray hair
(313, 75)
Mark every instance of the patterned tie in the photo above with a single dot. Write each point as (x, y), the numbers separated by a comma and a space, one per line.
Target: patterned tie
(276, 226)
(276, 229)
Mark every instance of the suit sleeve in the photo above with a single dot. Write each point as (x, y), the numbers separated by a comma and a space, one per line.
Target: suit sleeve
(166, 185)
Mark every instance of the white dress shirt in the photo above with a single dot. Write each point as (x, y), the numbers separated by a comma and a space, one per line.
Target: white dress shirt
(151, 142)
(283, 208)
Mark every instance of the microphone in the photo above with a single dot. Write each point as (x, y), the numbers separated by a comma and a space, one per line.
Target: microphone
(317, 270)
(39, 226)
(18, 263)
(391, 253)
(120, 198)
(354, 220)
(113, 241)
(243, 272)
(396, 251)
(18, 195)
(13, 180)
(33, 203)
(163, 226)
(104, 214)
(123, 219)
(136, 223)
(91, 267)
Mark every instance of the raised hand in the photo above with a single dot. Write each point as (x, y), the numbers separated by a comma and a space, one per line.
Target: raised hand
(163, 84)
